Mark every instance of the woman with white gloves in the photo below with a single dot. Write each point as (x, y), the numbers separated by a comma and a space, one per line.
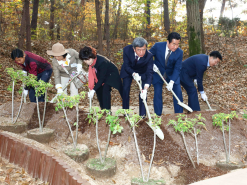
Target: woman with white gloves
(65, 62)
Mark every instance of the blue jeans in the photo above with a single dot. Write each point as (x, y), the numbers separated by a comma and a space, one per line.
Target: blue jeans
(45, 76)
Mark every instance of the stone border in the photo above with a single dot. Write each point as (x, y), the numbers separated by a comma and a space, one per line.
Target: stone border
(37, 163)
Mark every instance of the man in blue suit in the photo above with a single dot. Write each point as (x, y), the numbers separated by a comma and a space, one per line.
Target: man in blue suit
(168, 58)
(138, 64)
(193, 68)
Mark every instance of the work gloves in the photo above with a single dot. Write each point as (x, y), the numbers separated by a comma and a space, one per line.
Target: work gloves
(204, 97)
(25, 92)
(79, 68)
(90, 94)
(59, 89)
(136, 76)
(170, 85)
(144, 94)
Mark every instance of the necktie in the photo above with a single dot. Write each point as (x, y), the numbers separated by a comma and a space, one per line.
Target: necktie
(136, 59)
(167, 57)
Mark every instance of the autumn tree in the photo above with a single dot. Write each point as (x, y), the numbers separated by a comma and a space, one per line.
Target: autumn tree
(107, 34)
(148, 15)
(52, 19)
(117, 19)
(201, 8)
(193, 27)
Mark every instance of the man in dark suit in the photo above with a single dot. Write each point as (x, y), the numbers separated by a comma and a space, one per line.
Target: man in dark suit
(168, 58)
(193, 68)
(138, 63)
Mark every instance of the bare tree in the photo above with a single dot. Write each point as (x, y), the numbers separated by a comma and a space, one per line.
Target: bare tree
(34, 17)
(193, 27)
(166, 16)
(99, 33)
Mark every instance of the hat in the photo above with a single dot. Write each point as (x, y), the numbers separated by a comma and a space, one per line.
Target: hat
(57, 50)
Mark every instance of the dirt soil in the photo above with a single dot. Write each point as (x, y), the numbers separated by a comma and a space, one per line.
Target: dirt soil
(171, 161)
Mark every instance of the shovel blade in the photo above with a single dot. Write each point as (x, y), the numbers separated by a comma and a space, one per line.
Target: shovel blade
(185, 106)
(159, 132)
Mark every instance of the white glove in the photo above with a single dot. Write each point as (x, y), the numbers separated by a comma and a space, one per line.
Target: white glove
(143, 94)
(24, 73)
(195, 82)
(136, 76)
(25, 92)
(79, 68)
(204, 97)
(59, 89)
(170, 85)
(90, 94)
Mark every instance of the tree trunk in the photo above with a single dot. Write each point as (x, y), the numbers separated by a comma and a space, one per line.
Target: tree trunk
(193, 27)
(107, 35)
(222, 8)
(34, 18)
(28, 27)
(117, 20)
(201, 8)
(82, 18)
(99, 33)
(22, 28)
(58, 31)
(52, 20)
(148, 34)
(166, 16)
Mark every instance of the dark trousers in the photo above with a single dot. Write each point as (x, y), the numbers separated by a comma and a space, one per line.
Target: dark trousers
(104, 96)
(126, 91)
(190, 88)
(158, 102)
(45, 76)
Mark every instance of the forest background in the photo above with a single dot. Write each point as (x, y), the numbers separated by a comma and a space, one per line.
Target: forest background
(110, 25)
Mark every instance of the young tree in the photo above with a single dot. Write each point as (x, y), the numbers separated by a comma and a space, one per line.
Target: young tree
(166, 16)
(193, 27)
(99, 33)
(34, 17)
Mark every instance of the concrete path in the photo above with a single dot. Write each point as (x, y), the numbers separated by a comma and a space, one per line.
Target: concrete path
(235, 177)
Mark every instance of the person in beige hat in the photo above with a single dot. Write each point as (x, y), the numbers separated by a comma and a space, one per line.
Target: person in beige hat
(64, 60)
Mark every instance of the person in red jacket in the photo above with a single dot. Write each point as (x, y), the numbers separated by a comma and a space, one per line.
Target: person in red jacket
(33, 64)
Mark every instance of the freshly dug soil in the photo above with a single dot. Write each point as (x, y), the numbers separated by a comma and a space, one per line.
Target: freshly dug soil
(171, 161)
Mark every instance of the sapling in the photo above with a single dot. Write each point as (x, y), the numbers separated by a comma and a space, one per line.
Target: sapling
(218, 120)
(40, 89)
(64, 101)
(94, 116)
(183, 125)
(16, 75)
(133, 120)
(195, 130)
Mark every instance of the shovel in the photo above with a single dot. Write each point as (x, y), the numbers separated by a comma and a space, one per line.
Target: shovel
(71, 80)
(156, 129)
(155, 68)
(210, 109)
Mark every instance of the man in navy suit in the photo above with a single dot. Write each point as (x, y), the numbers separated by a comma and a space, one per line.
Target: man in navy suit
(193, 68)
(168, 58)
(138, 64)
